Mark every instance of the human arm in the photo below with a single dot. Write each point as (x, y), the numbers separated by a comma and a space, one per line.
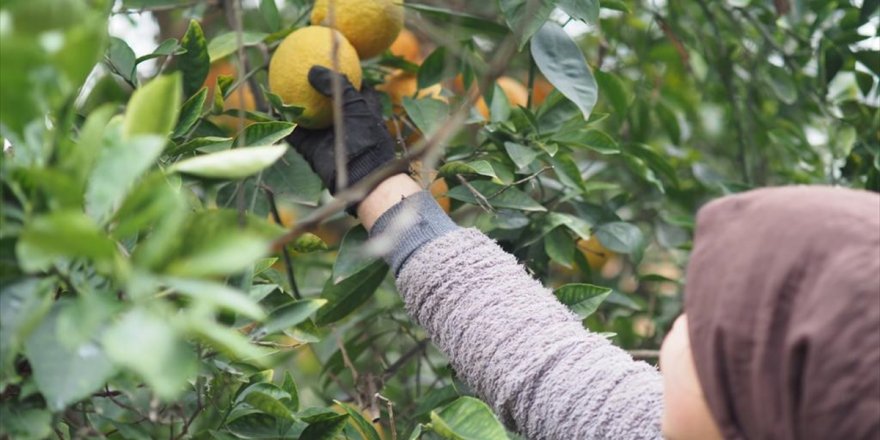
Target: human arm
(506, 335)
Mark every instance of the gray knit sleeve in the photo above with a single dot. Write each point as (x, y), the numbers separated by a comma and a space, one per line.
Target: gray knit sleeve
(408, 225)
(518, 348)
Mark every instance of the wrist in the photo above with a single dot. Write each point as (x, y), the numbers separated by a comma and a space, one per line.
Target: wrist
(391, 191)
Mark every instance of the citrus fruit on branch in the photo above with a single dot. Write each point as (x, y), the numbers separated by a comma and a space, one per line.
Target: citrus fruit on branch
(290, 65)
(370, 25)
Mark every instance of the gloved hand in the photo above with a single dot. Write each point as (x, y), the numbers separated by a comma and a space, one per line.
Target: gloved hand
(368, 144)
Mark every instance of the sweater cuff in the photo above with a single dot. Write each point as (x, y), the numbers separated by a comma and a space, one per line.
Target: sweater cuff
(412, 222)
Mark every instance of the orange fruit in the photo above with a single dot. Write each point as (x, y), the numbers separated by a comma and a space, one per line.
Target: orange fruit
(595, 253)
(242, 98)
(541, 88)
(407, 47)
(290, 65)
(515, 91)
(370, 25)
(401, 84)
(438, 187)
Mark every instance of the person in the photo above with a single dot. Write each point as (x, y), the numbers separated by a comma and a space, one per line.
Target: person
(780, 338)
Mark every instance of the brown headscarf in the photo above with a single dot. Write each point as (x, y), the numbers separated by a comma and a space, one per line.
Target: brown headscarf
(783, 306)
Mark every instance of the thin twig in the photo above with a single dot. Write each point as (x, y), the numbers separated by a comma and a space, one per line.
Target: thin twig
(347, 362)
(644, 354)
(338, 117)
(288, 263)
(479, 197)
(393, 368)
(390, 405)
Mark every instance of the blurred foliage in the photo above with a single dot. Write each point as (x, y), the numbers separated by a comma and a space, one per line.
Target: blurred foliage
(142, 296)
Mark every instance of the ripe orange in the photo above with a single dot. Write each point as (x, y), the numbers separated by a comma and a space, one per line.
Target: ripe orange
(370, 25)
(401, 84)
(239, 99)
(515, 91)
(407, 47)
(541, 88)
(290, 65)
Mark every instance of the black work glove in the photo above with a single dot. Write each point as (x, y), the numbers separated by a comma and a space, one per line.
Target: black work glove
(368, 144)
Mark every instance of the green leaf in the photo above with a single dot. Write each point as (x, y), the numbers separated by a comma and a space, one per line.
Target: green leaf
(614, 91)
(153, 108)
(227, 340)
(269, 11)
(365, 428)
(426, 113)
(669, 121)
(499, 196)
(264, 133)
(585, 10)
(583, 299)
(255, 425)
(434, 68)
(268, 405)
(194, 63)
(144, 343)
(149, 202)
(290, 387)
(293, 179)
(869, 59)
(228, 254)
(525, 17)
(471, 22)
(467, 418)
(575, 224)
(347, 295)
(122, 60)
(207, 144)
(499, 106)
(325, 429)
(307, 243)
(23, 422)
(216, 295)
(23, 304)
(616, 5)
(65, 374)
(352, 257)
(120, 164)
(521, 155)
(60, 234)
(449, 170)
(620, 237)
(226, 44)
(290, 315)
(166, 48)
(232, 164)
(563, 64)
(568, 172)
(655, 161)
(560, 247)
(190, 112)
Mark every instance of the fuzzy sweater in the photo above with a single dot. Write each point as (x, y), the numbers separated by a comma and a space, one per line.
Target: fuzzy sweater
(508, 337)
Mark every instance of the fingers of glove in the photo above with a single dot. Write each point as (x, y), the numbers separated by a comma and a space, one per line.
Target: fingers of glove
(373, 100)
(321, 78)
(308, 142)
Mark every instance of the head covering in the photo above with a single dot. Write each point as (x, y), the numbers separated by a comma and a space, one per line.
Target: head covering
(783, 307)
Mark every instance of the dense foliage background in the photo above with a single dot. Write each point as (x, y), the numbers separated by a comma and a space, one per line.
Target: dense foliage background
(142, 297)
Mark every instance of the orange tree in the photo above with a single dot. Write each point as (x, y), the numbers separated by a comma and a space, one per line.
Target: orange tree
(146, 290)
